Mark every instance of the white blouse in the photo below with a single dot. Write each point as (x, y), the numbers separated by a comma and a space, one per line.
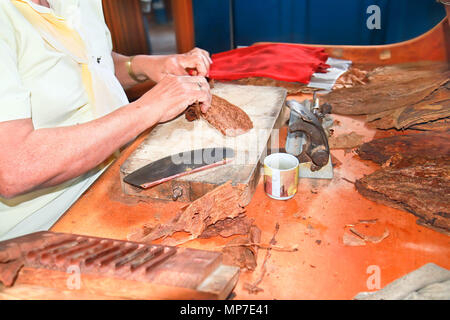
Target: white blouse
(47, 76)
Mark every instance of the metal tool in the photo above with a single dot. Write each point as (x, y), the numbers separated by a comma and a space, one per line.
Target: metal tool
(307, 138)
(179, 165)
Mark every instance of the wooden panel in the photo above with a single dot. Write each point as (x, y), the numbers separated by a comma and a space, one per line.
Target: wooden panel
(106, 287)
(433, 45)
(124, 20)
(184, 24)
(217, 286)
(262, 104)
(447, 9)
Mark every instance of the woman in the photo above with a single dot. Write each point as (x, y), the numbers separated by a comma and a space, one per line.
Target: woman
(63, 110)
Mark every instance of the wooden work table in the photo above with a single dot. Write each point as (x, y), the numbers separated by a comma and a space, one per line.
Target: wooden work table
(314, 220)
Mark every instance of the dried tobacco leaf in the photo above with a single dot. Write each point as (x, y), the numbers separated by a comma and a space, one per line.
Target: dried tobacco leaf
(229, 119)
(221, 203)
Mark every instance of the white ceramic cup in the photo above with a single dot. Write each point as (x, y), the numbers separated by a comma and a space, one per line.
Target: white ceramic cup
(281, 176)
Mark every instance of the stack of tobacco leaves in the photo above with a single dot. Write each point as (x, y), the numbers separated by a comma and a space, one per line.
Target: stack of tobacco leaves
(412, 95)
(415, 176)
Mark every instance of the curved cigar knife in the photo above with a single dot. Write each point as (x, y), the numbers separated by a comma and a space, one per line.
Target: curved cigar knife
(178, 165)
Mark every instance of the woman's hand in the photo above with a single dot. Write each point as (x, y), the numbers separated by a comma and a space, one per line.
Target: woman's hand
(156, 67)
(173, 94)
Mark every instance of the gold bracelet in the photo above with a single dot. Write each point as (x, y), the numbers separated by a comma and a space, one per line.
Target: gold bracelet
(132, 74)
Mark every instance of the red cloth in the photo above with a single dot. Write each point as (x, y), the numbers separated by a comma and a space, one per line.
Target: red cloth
(285, 62)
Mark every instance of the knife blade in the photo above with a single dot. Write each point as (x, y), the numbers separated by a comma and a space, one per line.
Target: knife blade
(178, 165)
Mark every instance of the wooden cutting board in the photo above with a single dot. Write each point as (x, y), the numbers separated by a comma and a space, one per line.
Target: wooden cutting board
(262, 104)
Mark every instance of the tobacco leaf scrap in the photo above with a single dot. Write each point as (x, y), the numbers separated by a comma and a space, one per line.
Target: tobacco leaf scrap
(345, 141)
(433, 108)
(238, 253)
(335, 161)
(228, 227)
(350, 239)
(219, 204)
(373, 239)
(356, 236)
(253, 287)
(352, 77)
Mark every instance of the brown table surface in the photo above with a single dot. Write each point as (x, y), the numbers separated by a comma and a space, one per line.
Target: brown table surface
(314, 220)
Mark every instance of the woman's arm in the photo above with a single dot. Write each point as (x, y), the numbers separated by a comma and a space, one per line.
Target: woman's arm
(31, 159)
(157, 66)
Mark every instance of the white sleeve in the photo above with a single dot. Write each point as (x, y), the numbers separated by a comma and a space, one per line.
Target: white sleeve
(97, 6)
(15, 100)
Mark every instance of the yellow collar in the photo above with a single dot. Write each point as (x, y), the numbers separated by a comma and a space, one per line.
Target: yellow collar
(53, 29)
(40, 9)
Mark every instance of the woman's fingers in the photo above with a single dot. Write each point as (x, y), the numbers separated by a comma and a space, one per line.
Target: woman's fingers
(199, 63)
(196, 60)
(205, 56)
(198, 79)
(205, 91)
(175, 93)
(204, 53)
(201, 91)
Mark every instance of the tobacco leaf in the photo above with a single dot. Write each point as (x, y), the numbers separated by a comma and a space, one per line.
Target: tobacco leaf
(411, 145)
(432, 108)
(437, 125)
(389, 88)
(229, 119)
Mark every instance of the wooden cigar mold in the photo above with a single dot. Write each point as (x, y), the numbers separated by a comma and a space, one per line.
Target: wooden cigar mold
(115, 268)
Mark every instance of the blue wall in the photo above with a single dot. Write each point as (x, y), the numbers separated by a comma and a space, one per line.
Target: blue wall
(212, 24)
(309, 21)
